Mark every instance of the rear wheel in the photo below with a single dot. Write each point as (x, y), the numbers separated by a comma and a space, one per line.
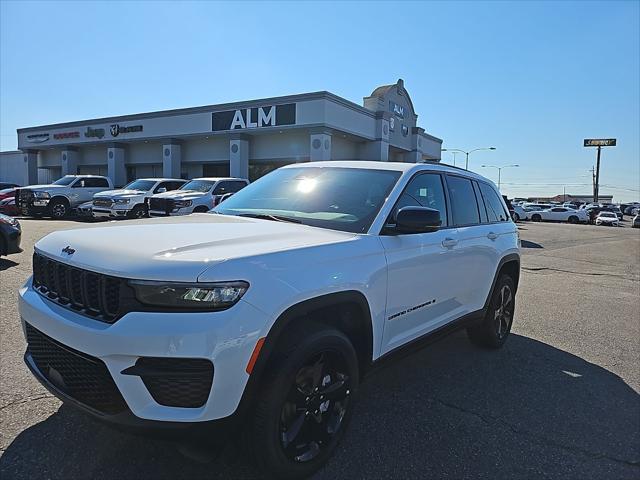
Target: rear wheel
(200, 209)
(496, 326)
(58, 209)
(536, 217)
(304, 403)
(573, 219)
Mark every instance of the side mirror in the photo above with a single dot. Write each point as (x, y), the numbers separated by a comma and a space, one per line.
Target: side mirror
(161, 190)
(417, 220)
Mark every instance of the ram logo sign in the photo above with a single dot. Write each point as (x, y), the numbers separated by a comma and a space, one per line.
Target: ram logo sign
(257, 117)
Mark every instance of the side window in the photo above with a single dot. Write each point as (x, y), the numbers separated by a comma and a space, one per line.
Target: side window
(424, 190)
(79, 184)
(495, 208)
(174, 185)
(228, 187)
(463, 201)
(559, 210)
(165, 185)
(481, 205)
(94, 182)
(221, 188)
(236, 186)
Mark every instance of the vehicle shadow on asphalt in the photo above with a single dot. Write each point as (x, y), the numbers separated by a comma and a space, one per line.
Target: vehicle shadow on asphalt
(6, 264)
(451, 410)
(530, 244)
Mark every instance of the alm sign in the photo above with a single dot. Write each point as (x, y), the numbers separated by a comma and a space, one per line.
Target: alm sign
(243, 118)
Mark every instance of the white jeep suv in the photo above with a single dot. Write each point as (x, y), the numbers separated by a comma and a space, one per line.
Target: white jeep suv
(262, 316)
(129, 201)
(196, 196)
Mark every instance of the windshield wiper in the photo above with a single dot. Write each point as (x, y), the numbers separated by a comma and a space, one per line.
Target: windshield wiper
(264, 216)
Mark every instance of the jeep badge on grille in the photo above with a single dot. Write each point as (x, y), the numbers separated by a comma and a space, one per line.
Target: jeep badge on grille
(68, 250)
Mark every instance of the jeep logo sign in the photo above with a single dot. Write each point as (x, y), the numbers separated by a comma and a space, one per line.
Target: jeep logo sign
(269, 116)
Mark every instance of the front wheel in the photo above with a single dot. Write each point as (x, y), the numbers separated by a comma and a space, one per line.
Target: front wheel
(58, 209)
(536, 218)
(304, 404)
(496, 326)
(516, 217)
(573, 219)
(139, 211)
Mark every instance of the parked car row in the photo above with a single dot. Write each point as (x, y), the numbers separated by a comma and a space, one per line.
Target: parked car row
(94, 196)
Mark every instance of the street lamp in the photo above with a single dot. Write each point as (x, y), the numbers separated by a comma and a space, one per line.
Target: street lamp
(499, 170)
(466, 165)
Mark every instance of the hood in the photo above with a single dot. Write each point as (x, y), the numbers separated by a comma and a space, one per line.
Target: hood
(181, 194)
(121, 193)
(178, 248)
(43, 187)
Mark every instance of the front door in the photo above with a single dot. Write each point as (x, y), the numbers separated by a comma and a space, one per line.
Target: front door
(422, 291)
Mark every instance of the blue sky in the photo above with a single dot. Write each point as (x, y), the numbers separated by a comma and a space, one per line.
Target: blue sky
(530, 78)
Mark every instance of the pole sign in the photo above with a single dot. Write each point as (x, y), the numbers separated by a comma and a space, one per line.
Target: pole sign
(242, 118)
(599, 142)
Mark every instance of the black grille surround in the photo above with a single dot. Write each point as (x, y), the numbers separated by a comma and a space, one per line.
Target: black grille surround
(99, 296)
(79, 376)
(24, 198)
(175, 382)
(103, 202)
(165, 205)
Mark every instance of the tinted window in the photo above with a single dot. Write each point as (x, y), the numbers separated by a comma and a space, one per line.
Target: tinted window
(559, 210)
(481, 206)
(228, 187)
(139, 185)
(174, 185)
(463, 201)
(95, 182)
(198, 185)
(424, 190)
(495, 208)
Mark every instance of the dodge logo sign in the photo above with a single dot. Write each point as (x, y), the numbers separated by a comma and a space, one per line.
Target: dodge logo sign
(115, 130)
(269, 116)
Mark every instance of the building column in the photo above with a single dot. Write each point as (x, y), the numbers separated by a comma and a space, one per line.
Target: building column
(116, 170)
(319, 146)
(239, 157)
(378, 149)
(69, 162)
(30, 167)
(172, 160)
(415, 155)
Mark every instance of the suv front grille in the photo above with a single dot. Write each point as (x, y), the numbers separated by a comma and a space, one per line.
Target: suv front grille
(90, 293)
(24, 197)
(165, 205)
(82, 377)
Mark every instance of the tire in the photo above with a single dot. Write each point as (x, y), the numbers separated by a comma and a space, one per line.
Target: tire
(139, 211)
(496, 325)
(573, 219)
(289, 403)
(536, 218)
(58, 209)
(200, 209)
(516, 217)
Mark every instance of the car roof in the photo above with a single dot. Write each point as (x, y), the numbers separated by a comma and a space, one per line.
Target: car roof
(160, 179)
(217, 179)
(390, 166)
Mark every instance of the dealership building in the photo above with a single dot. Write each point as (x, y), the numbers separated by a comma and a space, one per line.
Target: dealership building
(240, 139)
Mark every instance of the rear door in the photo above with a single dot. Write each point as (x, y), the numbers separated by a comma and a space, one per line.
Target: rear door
(422, 292)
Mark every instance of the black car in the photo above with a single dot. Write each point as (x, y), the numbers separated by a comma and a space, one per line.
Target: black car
(5, 185)
(10, 234)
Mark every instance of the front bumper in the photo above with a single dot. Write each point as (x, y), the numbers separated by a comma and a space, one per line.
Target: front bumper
(173, 213)
(225, 338)
(110, 212)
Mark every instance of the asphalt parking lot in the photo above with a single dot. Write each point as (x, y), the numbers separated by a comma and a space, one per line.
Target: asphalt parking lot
(561, 400)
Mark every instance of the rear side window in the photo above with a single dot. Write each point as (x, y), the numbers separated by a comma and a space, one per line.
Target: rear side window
(95, 182)
(495, 208)
(464, 205)
(229, 187)
(424, 190)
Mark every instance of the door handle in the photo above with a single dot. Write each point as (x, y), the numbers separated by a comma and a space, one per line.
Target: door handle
(492, 236)
(449, 242)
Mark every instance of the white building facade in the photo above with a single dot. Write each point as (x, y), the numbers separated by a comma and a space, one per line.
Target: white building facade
(242, 139)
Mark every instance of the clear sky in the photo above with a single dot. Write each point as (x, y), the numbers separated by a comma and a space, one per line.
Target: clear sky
(530, 78)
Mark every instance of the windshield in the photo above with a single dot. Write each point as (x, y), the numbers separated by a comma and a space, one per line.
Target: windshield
(198, 185)
(66, 180)
(140, 185)
(346, 199)
(607, 214)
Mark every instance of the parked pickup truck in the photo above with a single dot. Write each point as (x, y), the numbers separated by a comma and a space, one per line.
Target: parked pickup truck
(129, 201)
(198, 195)
(258, 320)
(59, 198)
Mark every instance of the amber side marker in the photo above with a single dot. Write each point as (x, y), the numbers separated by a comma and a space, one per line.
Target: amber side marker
(254, 355)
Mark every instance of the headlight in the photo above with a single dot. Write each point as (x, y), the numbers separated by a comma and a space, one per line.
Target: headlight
(121, 201)
(183, 203)
(41, 194)
(195, 296)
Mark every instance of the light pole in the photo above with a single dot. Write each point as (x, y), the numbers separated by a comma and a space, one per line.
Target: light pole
(466, 165)
(499, 170)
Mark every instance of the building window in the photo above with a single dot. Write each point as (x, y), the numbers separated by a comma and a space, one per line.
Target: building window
(215, 170)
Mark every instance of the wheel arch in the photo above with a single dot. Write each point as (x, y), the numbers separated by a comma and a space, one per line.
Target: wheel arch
(509, 264)
(62, 198)
(350, 314)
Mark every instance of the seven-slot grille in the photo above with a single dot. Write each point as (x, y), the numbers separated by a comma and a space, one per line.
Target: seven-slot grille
(78, 375)
(23, 197)
(102, 202)
(165, 205)
(89, 293)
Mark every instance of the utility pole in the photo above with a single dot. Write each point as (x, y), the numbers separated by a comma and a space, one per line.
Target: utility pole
(598, 142)
(593, 180)
(596, 190)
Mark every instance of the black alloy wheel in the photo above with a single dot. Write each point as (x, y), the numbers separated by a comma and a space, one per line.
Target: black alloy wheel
(536, 218)
(495, 327)
(503, 311)
(139, 211)
(315, 406)
(58, 209)
(573, 219)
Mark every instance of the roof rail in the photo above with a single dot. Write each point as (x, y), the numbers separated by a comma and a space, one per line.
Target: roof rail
(435, 162)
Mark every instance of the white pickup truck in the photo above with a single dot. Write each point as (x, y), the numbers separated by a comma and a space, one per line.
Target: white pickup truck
(129, 201)
(58, 199)
(198, 195)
